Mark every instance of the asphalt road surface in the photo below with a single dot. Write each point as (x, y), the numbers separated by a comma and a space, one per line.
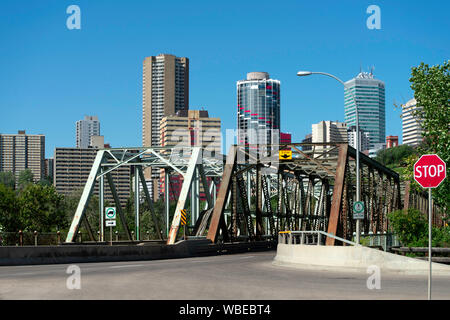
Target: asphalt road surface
(241, 276)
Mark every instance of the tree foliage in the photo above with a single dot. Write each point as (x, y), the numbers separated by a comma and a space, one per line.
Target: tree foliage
(8, 179)
(395, 157)
(412, 229)
(9, 215)
(431, 87)
(25, 178)
(41, 209)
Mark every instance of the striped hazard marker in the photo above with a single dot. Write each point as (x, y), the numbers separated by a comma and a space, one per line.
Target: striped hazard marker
(183, 217)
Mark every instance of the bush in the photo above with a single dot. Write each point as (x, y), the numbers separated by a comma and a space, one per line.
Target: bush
(412, 229)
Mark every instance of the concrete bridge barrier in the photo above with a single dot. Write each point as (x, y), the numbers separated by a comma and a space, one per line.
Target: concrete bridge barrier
(352, 258)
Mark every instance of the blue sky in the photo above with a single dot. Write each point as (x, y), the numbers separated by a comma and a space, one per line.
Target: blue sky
(51, 76)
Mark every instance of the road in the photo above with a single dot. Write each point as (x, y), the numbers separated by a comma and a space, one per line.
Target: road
(241, 276)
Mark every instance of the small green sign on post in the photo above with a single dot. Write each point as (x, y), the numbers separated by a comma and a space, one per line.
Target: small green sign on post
(110, 215)
(358, 210)
(110, 212)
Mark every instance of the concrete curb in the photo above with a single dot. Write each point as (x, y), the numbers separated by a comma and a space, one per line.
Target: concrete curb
(349, 258)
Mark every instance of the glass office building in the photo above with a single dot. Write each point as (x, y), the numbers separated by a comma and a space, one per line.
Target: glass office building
(370, 97)
(258, 109)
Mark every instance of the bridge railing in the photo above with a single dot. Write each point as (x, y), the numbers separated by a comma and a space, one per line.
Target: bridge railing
(308, 238)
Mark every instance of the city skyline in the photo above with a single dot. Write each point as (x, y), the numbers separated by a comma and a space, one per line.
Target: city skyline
(73, 75)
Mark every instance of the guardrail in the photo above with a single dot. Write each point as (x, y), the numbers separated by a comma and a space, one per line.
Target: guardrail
(309, 238)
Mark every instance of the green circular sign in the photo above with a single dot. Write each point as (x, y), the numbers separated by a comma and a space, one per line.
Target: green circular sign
(110, 212)
(358, 207)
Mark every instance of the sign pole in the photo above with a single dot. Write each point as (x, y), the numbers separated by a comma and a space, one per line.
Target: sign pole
(430, 213)
(110, 234)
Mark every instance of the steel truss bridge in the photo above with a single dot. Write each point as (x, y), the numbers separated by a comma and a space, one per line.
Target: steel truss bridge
(258, 194)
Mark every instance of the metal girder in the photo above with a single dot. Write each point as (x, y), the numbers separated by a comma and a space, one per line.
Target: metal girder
(87, 192)
(183, 195)
(337, 193)
(118, 206)
(150, 204)
(219, 207)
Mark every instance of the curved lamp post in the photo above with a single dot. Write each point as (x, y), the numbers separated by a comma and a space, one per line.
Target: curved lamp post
(308, 73)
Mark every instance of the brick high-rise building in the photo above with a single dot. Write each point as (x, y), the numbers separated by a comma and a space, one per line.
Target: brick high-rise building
(23, 151)
(165, 91)
(190, 128)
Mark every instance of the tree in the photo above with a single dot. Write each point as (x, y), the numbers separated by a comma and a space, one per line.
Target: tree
(431, 87)
(25, 178)
(70, 206)
(8, 179)
(41, 209)
(9, 213)
(395, 157)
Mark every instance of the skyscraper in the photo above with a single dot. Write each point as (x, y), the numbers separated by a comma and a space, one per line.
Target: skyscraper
(85, 129)
(23, 151)
(370, 97)
(165, 91)
(258, 109)
(190, 128)
(411, 124)
(328, 131)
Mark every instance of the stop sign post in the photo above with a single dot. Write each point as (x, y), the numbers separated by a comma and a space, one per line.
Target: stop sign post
(429, 171)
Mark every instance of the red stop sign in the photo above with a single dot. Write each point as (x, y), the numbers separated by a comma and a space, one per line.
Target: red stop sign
(429, 171)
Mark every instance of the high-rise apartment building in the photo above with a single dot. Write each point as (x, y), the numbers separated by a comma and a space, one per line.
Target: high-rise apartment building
(411, 124)
(328, 131)
(23, 151)
(85, 129)
(71, 171)
(190, 128)
(370, 97)
(364, 144)
(258, 109)
(165, 91)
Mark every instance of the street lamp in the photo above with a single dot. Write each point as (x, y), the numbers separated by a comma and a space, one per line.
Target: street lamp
(308, 73)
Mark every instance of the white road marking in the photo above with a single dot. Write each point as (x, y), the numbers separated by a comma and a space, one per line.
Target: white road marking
(127, 266)
(240, 258)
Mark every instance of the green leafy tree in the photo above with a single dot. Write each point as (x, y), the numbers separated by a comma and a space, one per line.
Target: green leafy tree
(25, 178)
(8, 179)
(394, 157)
(41, 208)
(9, 210)
(70, 206)
(431, 87)
(412, 229)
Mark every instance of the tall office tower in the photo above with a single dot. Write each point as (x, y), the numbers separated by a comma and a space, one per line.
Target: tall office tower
(165, 91)
(363, 139)
(411, 124)
(258, 109)
(89, 126)
(23, 151)
(190, 128)
(328, 131)
(370, 97)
